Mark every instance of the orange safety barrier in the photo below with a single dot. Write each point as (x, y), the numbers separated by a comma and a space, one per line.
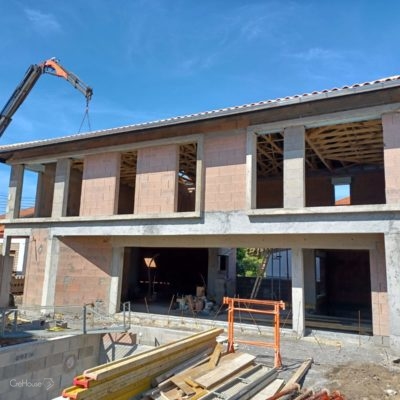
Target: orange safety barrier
(271, 308)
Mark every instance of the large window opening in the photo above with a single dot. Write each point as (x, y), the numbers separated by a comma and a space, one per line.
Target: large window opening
(75, 188)
(344, 164)
(187, 177)
(269, 171)
(127, 182)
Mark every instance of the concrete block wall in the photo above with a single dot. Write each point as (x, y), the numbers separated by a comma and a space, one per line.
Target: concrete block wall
(83, 271)
(100, 184)
(157, 180)
(41, 370)
(36, 261)
(225, 171)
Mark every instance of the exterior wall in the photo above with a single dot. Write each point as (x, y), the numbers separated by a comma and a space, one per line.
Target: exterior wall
(35, 271)
(100, 184)
(84, 266)
(391, 138)
(225, 171)
(379, 296)
(157, 180)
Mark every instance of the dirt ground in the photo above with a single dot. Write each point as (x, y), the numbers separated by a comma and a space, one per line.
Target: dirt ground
(365, 381)
(357, 367)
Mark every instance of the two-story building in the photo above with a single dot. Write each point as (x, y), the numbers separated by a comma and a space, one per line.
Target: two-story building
(164, 203)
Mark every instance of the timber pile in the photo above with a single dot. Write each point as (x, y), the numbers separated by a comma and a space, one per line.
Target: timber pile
(129, 376)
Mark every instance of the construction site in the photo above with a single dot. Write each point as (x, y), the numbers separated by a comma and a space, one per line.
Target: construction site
(126, 281)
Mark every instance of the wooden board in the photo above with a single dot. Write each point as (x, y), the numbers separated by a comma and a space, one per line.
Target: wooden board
(269, 390)
(228, 366)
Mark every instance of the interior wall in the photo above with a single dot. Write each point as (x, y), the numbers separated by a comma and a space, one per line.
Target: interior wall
(348, 283)
(45, 191)
(270, 193)
(74, 192)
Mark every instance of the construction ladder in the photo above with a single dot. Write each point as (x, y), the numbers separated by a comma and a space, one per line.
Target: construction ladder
(261, 272)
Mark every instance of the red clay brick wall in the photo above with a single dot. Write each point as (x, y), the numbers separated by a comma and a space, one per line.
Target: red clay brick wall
(379, 297)
(100, 184)
(35, 267)
(225, 172)
(391, 138)
(156, 180)
(83, 271)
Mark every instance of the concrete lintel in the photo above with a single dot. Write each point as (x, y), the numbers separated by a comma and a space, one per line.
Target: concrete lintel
(363, 114)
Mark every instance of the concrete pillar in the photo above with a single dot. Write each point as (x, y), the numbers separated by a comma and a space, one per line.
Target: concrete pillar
(50, 274)
(379, 298)
(392, 255)
(15, 191)
(117, 265)
(391, 140)
(294, 167)
(310, 284)
(5, 272)
(298, 291)
(45, 189)
(61, 184)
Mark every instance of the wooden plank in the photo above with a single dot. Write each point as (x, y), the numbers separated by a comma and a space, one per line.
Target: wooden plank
(215, 356)
(269, 390)
(228, 366)
(132, 362)
(136, 380)
(300, 372)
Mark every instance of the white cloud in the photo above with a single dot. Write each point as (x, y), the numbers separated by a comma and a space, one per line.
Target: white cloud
(317, 53)
(42, 21)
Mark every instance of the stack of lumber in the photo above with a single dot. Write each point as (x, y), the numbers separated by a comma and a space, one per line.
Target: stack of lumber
(129, 376)
(223, 375)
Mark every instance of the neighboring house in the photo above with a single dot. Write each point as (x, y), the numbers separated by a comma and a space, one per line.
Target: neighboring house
(19, 246)
(187, 191)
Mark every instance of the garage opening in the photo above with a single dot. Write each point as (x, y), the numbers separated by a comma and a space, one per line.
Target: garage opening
(157, 274)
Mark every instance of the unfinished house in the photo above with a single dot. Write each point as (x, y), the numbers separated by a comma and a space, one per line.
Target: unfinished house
(159, 208)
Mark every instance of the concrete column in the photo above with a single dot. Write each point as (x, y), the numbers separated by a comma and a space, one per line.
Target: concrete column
(212, 289)
(294, 167)
(298, 291)
(117, 265)
(251, 171)
(6, 264)
(61, 184)
(310, 285)
(392, 255)
(391, 140)
(15, 191)
(379, 298)
(50, 274)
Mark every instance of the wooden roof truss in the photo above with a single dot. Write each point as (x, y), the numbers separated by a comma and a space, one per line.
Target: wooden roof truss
(331, 148)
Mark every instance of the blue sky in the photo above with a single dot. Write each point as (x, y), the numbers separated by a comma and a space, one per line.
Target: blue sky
(152, 59)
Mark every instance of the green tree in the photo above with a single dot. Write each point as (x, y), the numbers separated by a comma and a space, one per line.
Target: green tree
(248, 261)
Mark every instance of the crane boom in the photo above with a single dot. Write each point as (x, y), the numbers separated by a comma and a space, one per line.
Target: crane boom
(52, 67)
